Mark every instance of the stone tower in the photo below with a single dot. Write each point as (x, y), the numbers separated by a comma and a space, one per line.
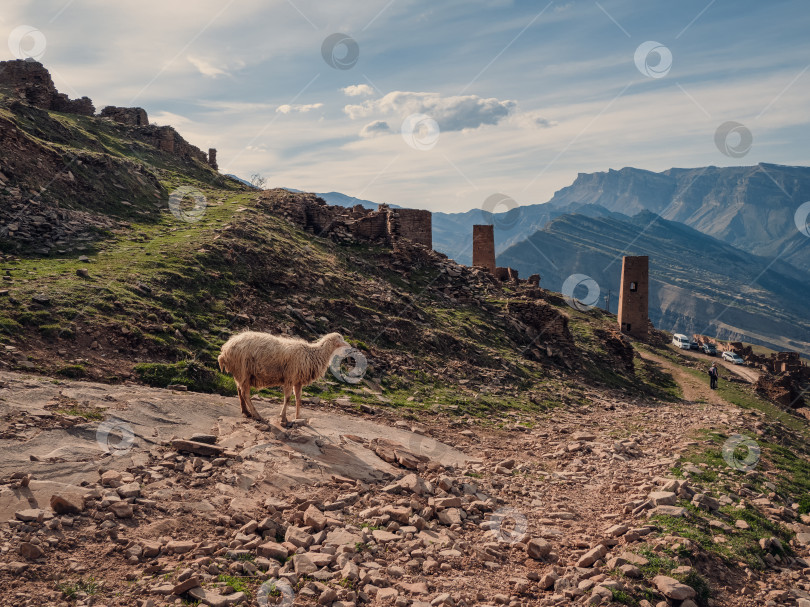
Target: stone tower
(484, 247)
(212, 158)
(634, 296)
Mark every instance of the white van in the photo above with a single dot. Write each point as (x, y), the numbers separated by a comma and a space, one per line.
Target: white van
(682, 341)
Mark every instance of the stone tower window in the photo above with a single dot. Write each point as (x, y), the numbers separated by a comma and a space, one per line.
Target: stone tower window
(634, 286)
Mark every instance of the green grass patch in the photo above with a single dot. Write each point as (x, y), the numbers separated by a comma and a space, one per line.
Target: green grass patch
(739, 546)
(192, 374)
(664, 562)
(89, 415)
(72, 371)
(237, 583)
(71, 590)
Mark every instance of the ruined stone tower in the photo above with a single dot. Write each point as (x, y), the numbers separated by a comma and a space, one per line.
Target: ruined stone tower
(484, 247)
(634, 296)
(212, 158)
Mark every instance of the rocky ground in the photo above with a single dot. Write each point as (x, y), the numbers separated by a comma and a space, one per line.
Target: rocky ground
(171, 500)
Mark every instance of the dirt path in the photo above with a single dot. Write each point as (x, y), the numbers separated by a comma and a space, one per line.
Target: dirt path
(747, 373)
(694, 389)
(578, 477)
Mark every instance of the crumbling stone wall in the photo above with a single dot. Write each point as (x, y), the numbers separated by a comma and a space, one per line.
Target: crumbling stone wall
(784, 389)
(414, 224)
(132, 116)
(32, 83)
(384, 224)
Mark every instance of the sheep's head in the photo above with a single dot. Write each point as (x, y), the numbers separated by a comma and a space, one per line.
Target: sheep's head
(335, 340)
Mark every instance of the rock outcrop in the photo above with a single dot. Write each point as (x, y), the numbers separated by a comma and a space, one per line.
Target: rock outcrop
(133, 116)
(32, 83)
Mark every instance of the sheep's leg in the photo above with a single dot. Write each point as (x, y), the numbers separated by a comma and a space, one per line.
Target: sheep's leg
(241, 391)
(287, 390)
(297, 389)
(251, 409)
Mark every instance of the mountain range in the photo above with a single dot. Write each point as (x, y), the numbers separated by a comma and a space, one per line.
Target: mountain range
(726, 256)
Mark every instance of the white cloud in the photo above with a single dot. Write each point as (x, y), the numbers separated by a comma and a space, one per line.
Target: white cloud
(300, 109)
(373, 129)
(168, 119)
(531, 120)
(357, 90)
(205, 67)
(453, 113)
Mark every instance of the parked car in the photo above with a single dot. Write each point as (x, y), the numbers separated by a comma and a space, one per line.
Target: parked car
(733, 358)
(682, 341)
(693, 345)
(709, 349)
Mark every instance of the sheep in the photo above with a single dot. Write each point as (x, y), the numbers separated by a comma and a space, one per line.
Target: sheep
(261, 360)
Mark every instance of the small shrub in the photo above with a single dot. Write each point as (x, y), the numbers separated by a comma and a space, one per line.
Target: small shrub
(10, 326)
(72, 371)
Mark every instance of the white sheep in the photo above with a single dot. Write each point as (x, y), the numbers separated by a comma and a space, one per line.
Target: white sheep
(262, 360)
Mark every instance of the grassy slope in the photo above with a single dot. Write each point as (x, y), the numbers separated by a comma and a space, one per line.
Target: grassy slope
(163, 294)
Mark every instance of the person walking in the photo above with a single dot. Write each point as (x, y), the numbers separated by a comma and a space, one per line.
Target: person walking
(713, 376)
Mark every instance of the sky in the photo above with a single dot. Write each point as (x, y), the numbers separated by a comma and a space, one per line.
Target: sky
(440, 105)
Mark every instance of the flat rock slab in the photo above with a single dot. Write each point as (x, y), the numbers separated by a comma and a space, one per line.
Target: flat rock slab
(190, 446)
(37, 495)
(216, 600)
(332, 445)
(673, 589)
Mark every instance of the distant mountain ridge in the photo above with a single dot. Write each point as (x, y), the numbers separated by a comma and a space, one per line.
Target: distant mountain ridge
(726, 255)
(698, 284)
(752, 208)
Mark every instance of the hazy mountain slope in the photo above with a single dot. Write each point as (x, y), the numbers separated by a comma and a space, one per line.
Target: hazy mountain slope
(699, 284)
(452, 232)
(751, 208)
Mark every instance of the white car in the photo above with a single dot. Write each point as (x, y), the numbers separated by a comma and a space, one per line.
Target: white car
(733, 358)
(682, 341)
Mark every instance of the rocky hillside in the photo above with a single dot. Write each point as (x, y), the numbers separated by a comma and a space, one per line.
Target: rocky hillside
(496, 447)
(129, 260)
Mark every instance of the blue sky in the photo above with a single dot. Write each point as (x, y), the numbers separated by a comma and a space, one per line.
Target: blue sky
(497, 96)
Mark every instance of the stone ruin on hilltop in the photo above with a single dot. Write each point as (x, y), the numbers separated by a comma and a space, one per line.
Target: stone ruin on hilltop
(383, 225)
(31, 83)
